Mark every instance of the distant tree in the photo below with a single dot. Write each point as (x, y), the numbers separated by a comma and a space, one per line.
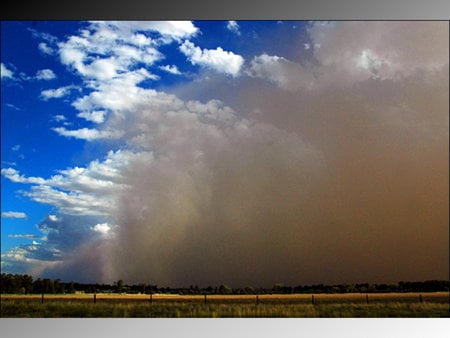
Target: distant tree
(224, 289)
(249, 290)
(118, 286)
(58, 286)
(71, 288)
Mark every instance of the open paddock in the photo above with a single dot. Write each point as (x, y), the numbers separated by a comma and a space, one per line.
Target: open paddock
(434, 304)
(434, 297)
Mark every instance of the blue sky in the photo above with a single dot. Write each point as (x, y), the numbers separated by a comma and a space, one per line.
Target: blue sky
(119, 136)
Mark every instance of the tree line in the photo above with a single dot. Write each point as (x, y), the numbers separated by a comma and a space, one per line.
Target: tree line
(24, 284)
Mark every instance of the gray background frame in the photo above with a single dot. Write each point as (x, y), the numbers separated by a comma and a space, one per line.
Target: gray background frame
(236, 10)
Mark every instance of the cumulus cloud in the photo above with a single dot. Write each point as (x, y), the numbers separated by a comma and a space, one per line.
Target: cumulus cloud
(13, 214)
(6, 73)
(121, 46)
(45, 74)
(216, 59)
(81, 191)
(14, 175)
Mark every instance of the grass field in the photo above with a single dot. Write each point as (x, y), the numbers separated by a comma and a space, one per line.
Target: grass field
(168, 306)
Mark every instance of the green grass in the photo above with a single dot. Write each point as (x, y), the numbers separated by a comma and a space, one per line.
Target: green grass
(77, 309)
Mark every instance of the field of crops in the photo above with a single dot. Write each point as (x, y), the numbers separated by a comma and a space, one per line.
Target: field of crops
(251, 306)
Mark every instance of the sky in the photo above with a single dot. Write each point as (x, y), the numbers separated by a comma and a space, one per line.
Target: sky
(244, 153)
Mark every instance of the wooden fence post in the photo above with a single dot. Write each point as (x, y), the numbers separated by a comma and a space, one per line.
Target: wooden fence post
(95, 298)
(151, 297)
(205, 298)
(312, 300)
(367, 299)
(420, 298)
(42, 298)
(257, 300)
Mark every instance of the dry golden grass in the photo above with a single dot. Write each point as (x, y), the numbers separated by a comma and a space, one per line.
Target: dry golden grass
(282, 298)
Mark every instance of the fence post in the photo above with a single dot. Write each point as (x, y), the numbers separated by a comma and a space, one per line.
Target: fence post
(257, 300)
(151, 297)
(312, 300)
(367, 299)
(95, 298)
(205, 298)
(42, 298)
(420, 298)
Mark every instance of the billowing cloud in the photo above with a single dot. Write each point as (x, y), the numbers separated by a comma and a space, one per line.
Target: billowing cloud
(216, 59)
(14, 214)
(121, 46)
(333, 170)
(14, 175)
(91, 190)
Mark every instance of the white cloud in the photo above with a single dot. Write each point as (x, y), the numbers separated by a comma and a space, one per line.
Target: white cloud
(233, 27)
(284, 73)
(16, 147)
(173, 29)
(13, 214)
(53, 218)
(90, 190)
(172, 69)
(13, 175)
(104, 50)
(117, 94)
(5, 72)
(216, 59)
(102, 228)
(24, 236)
(89, 134)
(59, 118)
(97, 116)
(56, 93)
(46, 49)
(72, 202)
(45, 74)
